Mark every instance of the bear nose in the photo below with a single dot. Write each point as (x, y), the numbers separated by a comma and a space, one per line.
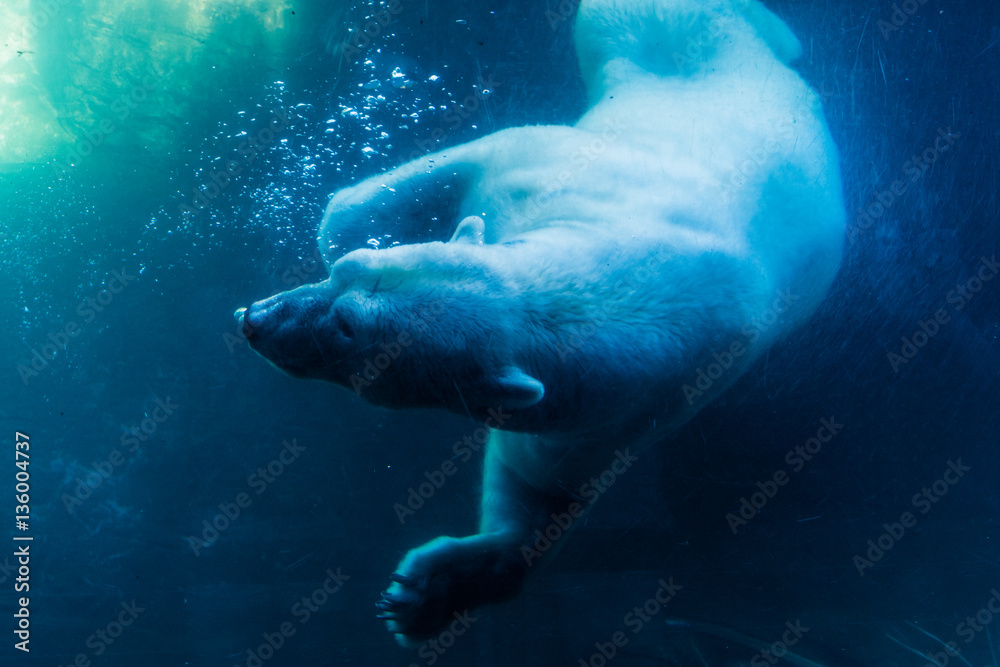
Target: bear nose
(243, 321)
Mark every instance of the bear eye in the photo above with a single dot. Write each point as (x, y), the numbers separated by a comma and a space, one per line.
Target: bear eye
(342, 321)
(346, 330)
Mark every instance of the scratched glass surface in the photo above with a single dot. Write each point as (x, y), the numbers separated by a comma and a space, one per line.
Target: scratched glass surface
(568, 332)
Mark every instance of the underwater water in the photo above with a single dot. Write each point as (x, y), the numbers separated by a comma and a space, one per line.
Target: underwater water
(163, 163)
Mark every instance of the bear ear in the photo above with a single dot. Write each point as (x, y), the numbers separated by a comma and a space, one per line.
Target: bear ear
(471, 230)
(516, 389)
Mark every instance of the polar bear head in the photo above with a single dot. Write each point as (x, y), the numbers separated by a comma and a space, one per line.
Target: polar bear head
(415, 325)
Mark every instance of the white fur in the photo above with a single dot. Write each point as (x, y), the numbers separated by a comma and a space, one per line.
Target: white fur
(719, 175)
(588, 271)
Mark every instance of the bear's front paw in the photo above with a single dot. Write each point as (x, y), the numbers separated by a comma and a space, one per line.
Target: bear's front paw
(423, 595)
(410, 612)
(437, 584)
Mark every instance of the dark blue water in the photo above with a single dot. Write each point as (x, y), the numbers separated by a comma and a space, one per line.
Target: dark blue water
(154, 419)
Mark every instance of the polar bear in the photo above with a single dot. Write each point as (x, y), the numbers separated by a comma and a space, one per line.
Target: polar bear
(582, 289)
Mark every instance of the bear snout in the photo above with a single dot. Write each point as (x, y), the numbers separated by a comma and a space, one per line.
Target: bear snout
(244, 323)
(262, 316)
(253, 320)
